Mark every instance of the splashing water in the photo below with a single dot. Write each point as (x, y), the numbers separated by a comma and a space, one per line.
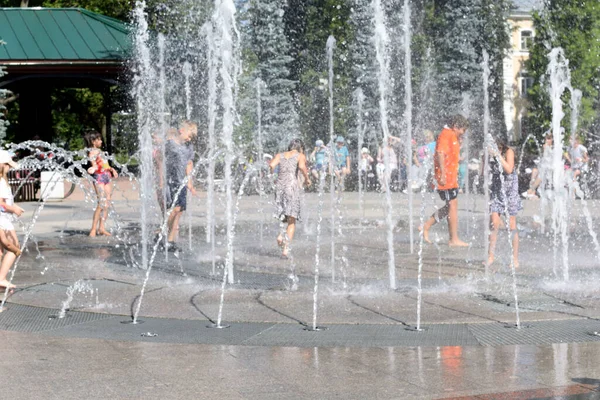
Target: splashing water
(187, 73)
(332, 166)
(560, 80)
(80, 286)
(359, 98)
(381, 39)
(490, 144)
(317, 253)
(408, 117)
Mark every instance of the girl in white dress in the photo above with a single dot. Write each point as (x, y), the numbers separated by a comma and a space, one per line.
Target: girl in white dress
(8, 210)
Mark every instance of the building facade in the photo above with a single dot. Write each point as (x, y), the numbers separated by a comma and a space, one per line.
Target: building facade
(516, 78)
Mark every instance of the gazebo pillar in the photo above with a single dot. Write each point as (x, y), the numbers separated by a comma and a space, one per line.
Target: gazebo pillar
(108, 118)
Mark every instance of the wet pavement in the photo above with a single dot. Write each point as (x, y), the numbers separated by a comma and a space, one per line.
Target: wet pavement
(469, 345)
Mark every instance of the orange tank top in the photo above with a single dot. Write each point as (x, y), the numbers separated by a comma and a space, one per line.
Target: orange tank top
(448, 144)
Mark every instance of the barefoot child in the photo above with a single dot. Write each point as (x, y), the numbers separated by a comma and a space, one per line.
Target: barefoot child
(8, 236)
(288, 190)
(504, 198)
(102, 173)
(447, 157)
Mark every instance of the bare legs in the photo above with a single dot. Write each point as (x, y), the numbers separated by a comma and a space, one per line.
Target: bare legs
(534, 183)
(385, 178)
(341, 176)
(10, 246)
(104, 193)
(450, 211)
(173, 223)
(289, 235)
(495, 222)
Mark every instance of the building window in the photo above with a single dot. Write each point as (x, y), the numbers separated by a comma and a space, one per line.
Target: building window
(526, 40)
(525, 83)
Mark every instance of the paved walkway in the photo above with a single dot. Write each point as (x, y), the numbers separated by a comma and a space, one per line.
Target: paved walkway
(469, 345)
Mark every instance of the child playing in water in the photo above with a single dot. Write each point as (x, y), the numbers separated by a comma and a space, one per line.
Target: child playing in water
(8, 237)
(179, 166)
(446, 160)
(102, 172)
(504, 198)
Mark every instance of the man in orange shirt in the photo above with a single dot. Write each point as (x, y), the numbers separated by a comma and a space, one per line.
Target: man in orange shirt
(447, 155)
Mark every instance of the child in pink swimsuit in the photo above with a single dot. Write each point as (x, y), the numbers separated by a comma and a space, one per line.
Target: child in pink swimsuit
(102, 173)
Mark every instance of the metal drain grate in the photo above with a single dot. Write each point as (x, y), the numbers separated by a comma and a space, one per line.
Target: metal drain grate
(542, 332)
(22, 318)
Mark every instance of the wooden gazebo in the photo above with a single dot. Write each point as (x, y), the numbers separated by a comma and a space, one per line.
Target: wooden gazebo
(49, 48)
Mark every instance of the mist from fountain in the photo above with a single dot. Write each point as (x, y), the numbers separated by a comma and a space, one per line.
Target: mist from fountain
(332, 160)
(575, 187)
(381, 39)
(151, 81)
(143, 94)
(359, 98)
(67, 165)
(212, 50)
(162, 123)
(261, 159)
(79, 286)
(317, 255)
(227, 36)
(408, 116)
(491, 145)
(187, 73)
(560, 80)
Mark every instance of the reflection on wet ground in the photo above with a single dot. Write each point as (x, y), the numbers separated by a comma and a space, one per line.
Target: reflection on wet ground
(458, 300)
(75, 368)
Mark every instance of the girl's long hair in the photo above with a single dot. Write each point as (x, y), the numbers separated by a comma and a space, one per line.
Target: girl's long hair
(2, 174)
(502, 145)
(296, 144)
(90, 136)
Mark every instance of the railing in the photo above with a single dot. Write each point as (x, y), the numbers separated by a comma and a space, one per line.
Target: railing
(24, 183)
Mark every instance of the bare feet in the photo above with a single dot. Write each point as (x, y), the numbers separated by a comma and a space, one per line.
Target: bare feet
(104, 232)
(6, 284)
(457, 243)
(425, 234)
(284, 254)
(92, 233)
(489, 261)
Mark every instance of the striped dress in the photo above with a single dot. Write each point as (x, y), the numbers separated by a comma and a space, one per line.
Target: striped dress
(287, 189)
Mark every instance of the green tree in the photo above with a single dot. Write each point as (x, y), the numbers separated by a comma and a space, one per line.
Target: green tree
(308, 25)
(119, 9)
(461, 30)
(573, 25)
(269, 44)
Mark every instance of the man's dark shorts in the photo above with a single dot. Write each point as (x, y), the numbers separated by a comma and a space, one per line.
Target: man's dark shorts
(449, 194)
(181, 200)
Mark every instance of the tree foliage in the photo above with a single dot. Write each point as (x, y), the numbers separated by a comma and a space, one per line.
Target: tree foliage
(269, 45)
(287, 51)
(461, 30)
(119, 9)
(573, 25)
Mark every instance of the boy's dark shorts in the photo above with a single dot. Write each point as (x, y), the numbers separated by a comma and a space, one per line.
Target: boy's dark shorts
(448, 194)
(181, 200)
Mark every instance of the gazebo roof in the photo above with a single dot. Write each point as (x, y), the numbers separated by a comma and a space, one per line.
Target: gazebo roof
(61, 36)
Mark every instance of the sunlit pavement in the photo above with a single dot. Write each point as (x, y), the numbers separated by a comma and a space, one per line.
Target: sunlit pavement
(57, 368)
(469, 347)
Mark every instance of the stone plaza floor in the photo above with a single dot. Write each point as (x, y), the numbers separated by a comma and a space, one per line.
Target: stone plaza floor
(468, 345)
